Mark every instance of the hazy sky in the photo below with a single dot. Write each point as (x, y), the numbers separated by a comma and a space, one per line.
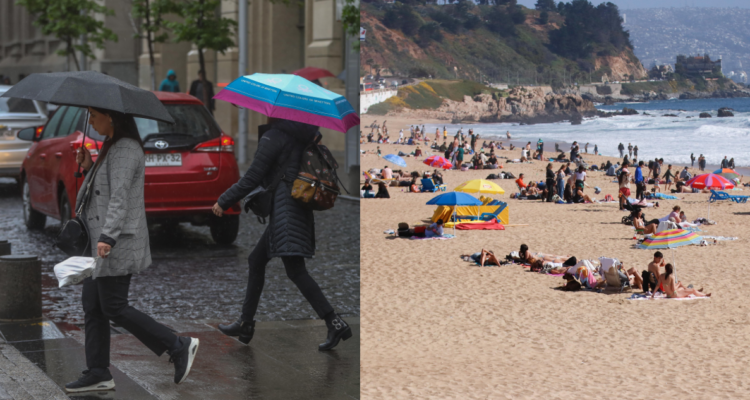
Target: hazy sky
(625, 4)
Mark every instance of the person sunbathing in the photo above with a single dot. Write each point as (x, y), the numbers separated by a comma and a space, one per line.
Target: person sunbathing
(636, 280)
(638, 224)
(482, 258)
(675, 290)
(581, 197)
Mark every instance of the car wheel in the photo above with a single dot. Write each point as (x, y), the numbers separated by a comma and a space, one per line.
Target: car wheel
(32, 219)
(65, 209)
(224, 230)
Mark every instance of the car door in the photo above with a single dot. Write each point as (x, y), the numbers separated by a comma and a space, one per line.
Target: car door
(60, 156)
(36, 166)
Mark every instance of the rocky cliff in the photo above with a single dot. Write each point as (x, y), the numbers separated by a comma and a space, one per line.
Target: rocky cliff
(522, 104)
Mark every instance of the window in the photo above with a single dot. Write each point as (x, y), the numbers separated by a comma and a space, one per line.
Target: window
(15, 105)
(51, 128)
(189, 119)
(68, 123)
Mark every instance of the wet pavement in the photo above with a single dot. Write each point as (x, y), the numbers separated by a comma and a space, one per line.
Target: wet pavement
(192, 285)
(281, 362)
(191, 277)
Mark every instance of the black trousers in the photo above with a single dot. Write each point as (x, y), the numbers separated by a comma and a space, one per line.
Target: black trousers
(639, 189)
(295, 270)
(649, 286)
(106, 299)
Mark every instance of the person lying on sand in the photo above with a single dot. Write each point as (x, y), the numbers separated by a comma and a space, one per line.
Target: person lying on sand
(675, 290)
(631, 274)
(484, 257)
(434, 230)
(580, 197)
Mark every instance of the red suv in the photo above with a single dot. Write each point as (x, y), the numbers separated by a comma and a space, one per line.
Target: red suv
(189, 164)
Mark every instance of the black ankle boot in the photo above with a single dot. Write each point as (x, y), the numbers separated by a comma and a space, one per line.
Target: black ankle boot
(243, 329)
(338, 330)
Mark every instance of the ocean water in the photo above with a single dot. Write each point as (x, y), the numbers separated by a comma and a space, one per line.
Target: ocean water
(671, 138)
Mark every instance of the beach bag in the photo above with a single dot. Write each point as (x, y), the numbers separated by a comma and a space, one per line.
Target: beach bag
(74, 270)
(315, 186)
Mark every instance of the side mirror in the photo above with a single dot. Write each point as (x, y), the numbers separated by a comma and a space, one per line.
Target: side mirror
(27, 134)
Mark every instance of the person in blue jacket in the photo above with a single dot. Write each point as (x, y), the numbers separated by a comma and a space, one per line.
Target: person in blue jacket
(170, 84)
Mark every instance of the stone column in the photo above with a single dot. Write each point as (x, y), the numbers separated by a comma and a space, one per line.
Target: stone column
(20, 287)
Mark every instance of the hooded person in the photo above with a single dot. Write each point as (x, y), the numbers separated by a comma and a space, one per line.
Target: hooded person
(290, 233)
(170, 84)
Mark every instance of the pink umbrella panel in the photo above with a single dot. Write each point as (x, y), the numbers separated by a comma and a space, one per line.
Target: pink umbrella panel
(437, 161)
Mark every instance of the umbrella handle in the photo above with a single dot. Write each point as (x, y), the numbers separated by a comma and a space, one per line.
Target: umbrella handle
(78, 173)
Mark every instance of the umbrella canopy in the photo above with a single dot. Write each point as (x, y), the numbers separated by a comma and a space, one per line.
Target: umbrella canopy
(670, 239)
(392, 158)
(313, 73)
(90, 89)
(710, 181)
(479, 186)
(455, 199)
(291, 97)
(437, 161)
(728, 173)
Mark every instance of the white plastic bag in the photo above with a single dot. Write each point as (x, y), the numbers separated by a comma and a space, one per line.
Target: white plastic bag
(74, 270)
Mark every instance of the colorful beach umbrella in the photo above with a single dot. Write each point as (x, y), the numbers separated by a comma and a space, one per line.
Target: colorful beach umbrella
(392, 158)
(291, 97)
(454, 199)
(710, 181)
(727, 173)
(670, 239)
(479, 186)
(437, 161)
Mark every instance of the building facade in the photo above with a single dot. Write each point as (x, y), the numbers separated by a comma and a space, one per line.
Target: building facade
(25, 50)
(281, 39)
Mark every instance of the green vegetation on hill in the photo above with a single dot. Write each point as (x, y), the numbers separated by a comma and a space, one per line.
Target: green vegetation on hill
(502, 42)
(430, 94)
(675, 86)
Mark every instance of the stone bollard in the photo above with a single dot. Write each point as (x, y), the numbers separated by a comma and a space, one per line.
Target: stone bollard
(4, 248)
(20, 287)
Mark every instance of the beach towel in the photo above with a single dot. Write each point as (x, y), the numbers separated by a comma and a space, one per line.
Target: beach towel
(481, 226)
(662, 196)
(444, 237)
(662, 296)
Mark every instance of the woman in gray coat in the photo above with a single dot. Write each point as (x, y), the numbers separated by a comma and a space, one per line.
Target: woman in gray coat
(115, 217)
(290, 233)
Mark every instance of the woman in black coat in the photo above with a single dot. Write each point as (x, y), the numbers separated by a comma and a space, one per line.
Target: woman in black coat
(290, 233)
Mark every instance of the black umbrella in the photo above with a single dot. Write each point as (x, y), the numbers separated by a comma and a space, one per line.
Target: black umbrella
(90, 89)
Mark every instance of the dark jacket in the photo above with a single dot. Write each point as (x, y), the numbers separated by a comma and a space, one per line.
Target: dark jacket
(291, 227)
(196, 90)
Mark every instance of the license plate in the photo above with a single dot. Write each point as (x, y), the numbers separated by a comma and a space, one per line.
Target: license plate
(164, 160)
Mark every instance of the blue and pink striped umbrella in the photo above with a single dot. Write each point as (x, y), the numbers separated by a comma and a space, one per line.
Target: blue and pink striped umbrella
(291, 97)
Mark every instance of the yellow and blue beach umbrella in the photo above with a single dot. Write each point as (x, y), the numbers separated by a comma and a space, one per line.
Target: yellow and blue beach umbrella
(291, 97)
(479, 186)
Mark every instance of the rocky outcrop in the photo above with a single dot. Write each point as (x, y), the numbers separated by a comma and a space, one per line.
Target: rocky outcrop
(528, 105)
(704, 115)
(725, 112)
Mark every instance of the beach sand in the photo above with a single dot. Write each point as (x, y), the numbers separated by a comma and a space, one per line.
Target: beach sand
(437, 327)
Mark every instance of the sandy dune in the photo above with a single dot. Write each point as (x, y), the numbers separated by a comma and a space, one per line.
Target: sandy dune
(435, 326)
